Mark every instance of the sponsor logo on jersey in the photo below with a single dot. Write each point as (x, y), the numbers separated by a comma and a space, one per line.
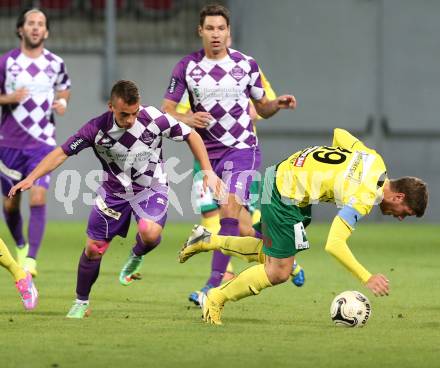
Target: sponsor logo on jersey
(237, 73)
(172, 86)
(74, 145)
(15, 69)
(49, 71)
(301, 159)
(146, 138)
(197, 73)
(106, 142)
(355, 171)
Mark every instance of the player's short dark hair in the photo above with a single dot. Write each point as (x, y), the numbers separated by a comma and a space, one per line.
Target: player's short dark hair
(22, 19)
(126, 90)
(212, 10)
(415, 190)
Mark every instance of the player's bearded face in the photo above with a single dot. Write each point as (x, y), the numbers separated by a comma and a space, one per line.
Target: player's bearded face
(34, 30)
(215, 34)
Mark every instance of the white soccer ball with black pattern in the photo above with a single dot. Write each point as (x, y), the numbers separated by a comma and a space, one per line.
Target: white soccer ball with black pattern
(350, 309)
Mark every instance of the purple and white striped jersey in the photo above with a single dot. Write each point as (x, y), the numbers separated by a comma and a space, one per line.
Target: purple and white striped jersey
(30, 123)
(222, 88)
(131, 158)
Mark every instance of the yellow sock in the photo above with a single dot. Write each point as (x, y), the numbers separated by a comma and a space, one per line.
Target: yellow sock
(250, 282)
(212, 224)
(246, 248)
(9, 263)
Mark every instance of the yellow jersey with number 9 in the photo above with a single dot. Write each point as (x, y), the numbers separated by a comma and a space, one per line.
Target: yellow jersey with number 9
(346, 173)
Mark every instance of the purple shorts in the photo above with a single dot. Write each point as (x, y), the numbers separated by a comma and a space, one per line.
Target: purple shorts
(111, 214)
(16, 164)
(238, 168)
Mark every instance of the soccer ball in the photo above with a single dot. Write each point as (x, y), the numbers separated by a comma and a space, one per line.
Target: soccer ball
(350, 309)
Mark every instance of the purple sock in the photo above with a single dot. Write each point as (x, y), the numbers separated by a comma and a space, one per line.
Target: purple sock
(15, 225)
(37, 224)
(229, 226)
(88, 271)
(140, 248)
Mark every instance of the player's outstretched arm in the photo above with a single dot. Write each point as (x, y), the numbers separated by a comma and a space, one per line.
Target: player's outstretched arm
(48, 164)
(266, 108)
(378, 284)
(337, 247)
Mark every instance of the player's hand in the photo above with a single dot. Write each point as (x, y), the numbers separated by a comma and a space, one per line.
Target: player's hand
(378, 284)
(286, 102)
(23, 185)
(59, 106)
(18, 95)
(212, 181)
(200, 119)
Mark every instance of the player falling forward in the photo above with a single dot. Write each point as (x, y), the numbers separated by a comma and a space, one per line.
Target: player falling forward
(127, 140)
(348, 174)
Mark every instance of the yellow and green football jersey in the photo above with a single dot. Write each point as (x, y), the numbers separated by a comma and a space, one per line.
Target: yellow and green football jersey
(347, 173)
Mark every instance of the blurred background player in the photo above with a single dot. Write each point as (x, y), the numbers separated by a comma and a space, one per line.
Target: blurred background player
(219, 82)
(348, 174)
(23, 280)
(127, 140)
(33, 84)
(208, 207)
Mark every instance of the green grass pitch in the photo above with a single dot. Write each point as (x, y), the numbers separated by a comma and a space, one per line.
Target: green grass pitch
(151, 324)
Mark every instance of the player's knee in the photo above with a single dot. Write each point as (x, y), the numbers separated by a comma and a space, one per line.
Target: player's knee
(150, 238)
(149, 232)
(11, 206)
(37, 196)
(38, 200)
(96, 248)
(278, 275)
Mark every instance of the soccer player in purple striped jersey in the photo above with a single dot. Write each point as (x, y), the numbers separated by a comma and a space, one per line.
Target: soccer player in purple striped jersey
(127, 140)
(220, 81)
(33, 85)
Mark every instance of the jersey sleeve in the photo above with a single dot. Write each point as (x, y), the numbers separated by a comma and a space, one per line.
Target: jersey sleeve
(177, 86)
(343, 139)
(166, 126)
(63, 81)
(337, 246)
(83, 138)
(350, 215)
(256, 90)
(363, 201)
